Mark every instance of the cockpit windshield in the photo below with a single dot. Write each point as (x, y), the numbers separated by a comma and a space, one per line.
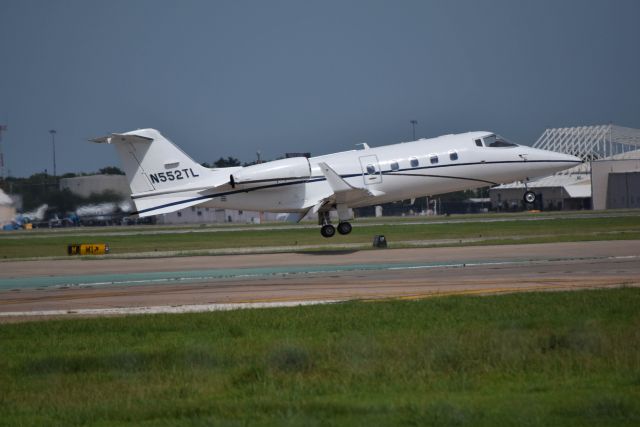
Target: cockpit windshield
(497, 141)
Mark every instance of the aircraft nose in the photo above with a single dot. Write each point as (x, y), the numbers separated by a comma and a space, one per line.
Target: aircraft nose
(568, 158)
(543, 162)
(554, 156)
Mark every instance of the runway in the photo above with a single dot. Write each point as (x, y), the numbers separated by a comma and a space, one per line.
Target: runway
(116, 286)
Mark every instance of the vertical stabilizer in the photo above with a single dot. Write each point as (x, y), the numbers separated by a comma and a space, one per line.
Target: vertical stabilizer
(153, 163)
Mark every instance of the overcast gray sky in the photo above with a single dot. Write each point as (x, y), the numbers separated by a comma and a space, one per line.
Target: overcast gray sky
(228, 78)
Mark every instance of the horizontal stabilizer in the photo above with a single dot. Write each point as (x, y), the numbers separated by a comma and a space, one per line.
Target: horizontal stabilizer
(121, 137)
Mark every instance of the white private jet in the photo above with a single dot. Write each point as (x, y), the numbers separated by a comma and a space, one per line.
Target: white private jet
(164, 179)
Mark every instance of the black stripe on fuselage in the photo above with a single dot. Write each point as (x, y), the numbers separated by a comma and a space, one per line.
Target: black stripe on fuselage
(439, 176)
(322, 178)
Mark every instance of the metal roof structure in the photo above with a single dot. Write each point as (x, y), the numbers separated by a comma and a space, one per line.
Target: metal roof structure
(590, 142)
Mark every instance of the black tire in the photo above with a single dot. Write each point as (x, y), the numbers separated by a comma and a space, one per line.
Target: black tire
(328, 230)
(344, 228)
(529, 197)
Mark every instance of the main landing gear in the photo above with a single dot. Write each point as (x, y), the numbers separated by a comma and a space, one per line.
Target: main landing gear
(328, 230)
(344, 227)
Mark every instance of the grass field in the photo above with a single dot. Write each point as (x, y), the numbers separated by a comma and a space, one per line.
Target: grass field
(24, 244)
(562, 358)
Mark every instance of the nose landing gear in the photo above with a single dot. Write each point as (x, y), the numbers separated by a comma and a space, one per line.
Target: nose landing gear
(529, 197)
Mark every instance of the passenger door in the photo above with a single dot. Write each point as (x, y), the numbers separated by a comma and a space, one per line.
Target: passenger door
(371, 172)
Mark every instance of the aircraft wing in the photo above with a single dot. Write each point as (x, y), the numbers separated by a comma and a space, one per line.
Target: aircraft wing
(343, 192)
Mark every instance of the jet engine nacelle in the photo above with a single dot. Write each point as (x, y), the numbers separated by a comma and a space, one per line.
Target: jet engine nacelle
(275, 172)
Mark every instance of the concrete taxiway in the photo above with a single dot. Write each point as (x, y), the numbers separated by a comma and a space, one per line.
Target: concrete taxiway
(116, 286)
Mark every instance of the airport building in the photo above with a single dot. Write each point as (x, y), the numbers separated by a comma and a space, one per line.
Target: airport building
(609, 178)
(95, 184)
(204, 215)
(615, 182)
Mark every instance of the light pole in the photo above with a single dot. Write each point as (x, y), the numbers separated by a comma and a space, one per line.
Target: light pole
(413, 124)
(53, 141)
(3, 128)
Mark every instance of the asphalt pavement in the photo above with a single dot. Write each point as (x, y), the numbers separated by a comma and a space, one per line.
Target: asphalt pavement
(203, 283)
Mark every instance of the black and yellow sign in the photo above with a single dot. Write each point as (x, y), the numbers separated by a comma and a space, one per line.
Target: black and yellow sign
(88, 249)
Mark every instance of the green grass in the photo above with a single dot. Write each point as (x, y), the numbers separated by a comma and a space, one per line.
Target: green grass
(553, 230)
(565, 358)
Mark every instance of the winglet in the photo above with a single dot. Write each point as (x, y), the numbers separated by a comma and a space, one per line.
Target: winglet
(335, 181)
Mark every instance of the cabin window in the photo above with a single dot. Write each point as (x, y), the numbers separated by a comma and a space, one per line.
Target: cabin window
(433, 159)
(371, 170)
(453, 155)
(395, 166)
(479, 142)
(413, 161)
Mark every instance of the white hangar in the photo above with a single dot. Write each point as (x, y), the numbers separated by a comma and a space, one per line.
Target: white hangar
(609, 178)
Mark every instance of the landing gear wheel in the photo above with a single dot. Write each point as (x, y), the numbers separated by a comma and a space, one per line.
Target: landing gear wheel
(529, 197)
(344, 228)
(328, 230)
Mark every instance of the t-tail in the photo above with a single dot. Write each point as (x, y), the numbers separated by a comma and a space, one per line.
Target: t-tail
(161, 176)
